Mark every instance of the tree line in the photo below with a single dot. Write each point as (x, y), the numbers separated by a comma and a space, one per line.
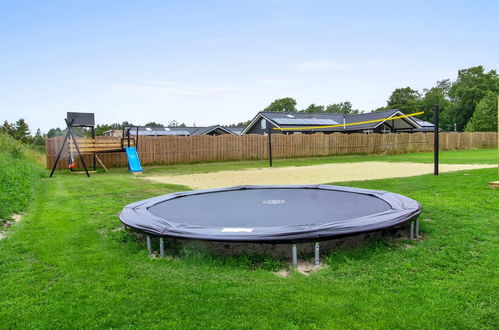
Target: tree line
(20, 131)
(467, 104)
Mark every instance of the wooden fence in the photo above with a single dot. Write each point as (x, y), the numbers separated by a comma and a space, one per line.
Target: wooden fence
(176, 150)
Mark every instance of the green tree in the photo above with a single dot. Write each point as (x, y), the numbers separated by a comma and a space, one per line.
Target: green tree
(484, 118)
(38, 139)
(437, 95)
(405, 99)
(56, 132)
(241, 124)
(467, 91)
(103, 128)
(21, 131)
(286, 104)
(314, 108)
(154, 124)
(342, 107)
(7, 128)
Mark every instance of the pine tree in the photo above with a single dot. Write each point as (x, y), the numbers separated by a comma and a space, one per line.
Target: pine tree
(21, 131)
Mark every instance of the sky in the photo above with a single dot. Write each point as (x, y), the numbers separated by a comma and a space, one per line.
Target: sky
(220, 62)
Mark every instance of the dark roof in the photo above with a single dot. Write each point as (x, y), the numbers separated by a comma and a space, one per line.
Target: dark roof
(235, 130)
(300, 119)
(179, 131)
(160, 131)
(206, 130)
(423, 123)
(426, 126)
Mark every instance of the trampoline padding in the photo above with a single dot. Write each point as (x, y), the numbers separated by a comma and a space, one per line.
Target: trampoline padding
(277, 214)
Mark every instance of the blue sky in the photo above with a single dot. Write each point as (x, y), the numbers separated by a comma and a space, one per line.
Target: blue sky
(208, 62)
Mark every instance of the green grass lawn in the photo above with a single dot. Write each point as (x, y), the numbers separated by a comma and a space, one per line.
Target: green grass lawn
(64, 266)
(20, 172)
(475, 156)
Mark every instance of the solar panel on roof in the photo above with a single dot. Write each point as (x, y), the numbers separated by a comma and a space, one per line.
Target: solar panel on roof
(159, 133)
(305, 121)
(177, 133)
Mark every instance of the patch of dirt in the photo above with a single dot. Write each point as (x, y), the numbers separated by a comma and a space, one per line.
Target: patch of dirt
(15, 218)
(309, 267)
(315, 174)
(305, 267)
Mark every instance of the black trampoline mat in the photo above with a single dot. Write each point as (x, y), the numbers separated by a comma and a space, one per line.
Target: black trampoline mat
(268, 207)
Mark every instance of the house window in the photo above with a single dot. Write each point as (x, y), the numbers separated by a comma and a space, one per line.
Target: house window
(263, 124)
(290, 116)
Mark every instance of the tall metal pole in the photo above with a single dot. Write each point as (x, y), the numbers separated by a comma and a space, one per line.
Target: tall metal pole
(269, 130)
(95, 153)
(435, 139)
(317, 258)
(294, 256)
(498, 134)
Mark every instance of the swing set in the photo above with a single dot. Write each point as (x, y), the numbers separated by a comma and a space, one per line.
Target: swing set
(90, 146)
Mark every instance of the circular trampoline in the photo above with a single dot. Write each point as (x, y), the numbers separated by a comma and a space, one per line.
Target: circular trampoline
(270, 214)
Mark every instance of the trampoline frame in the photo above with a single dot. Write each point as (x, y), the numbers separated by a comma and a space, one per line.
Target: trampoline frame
(406, 210)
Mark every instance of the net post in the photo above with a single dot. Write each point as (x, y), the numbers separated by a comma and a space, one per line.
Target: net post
(411, 231)
(416, 228)
(317, 254)
(149, 247)
(436, 144)
(161, 247)
(269, 129)
(94, 160)
(294, 255)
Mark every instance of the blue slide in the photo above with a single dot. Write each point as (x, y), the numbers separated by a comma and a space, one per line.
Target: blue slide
(133, 160)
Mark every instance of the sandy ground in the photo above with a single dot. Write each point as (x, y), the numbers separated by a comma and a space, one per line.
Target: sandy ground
(316, 174)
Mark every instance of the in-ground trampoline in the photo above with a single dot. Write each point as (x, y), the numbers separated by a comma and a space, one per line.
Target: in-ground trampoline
(271, 214)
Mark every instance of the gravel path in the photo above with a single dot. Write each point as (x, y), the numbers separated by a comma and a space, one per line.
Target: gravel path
(316, 174)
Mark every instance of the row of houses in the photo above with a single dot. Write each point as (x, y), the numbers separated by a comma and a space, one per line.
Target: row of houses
(301, 123)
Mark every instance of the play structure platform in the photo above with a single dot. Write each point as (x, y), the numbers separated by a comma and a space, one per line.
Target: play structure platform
(91, 146)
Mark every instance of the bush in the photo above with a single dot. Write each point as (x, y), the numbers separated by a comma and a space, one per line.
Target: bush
(19, 175)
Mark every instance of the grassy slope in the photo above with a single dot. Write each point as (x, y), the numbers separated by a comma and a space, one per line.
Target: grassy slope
(476, 156)
(63, 266)
(19, 172)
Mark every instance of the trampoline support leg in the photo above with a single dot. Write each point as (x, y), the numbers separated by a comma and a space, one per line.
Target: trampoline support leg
(317, 254)
(411, 231)
(161, 247)
(149, 248)
(294, 255)
(416, 228)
